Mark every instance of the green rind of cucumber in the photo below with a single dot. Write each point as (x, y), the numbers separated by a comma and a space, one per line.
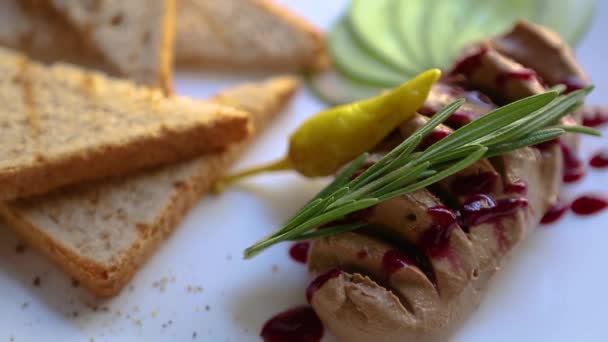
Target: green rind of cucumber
(371, 28)
(355, 63)
(334, 89)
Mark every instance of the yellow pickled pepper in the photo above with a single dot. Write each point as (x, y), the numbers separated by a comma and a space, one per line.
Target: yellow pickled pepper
(328, 140)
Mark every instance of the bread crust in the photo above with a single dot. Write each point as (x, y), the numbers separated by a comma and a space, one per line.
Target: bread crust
(165, 71)
(183, 185)
(64, 125)
(47, 33)
(235, 56)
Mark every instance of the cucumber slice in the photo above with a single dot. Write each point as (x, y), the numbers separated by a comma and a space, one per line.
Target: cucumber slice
(570, 19)
(583, 22)
(435, 31)
(380, 39)
(489, 18)
(407, 19)
(447, 19)
(369, 24)
(333, 89)
(354, 62)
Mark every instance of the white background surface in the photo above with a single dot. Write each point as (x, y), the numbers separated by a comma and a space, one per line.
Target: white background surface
(553, 289)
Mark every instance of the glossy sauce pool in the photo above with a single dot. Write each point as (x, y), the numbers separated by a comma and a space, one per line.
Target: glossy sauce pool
(299, 251)
(299, 324)
(599, 160)
(589, 204)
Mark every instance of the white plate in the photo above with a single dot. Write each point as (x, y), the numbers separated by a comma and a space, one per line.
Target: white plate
(552, 289)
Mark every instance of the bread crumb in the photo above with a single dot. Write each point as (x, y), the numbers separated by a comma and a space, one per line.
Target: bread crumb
(167, 324)
(138, 322)
(194, 289)
(136, 308)
(161, 284)
(194, 335)
(153, 313)
(275, 268)
(92, 306)
(25, 305)
(36, 281)
(207, 308)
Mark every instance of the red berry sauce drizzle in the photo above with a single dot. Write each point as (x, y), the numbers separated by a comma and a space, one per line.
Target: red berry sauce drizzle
(299, 324)
(319, 281)
(589, 204)
(573, 84)
(555, 212)
(599, 160)
(299, 251)
(574, 169)
(595, 116)
(525, 75)
(481, 208)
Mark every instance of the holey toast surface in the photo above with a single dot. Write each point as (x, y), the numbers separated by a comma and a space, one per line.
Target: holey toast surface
(246, 34)
(102, 233)
(135, 36)
(61, 125)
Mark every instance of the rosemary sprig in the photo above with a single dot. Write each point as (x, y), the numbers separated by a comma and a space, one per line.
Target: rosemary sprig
(522, 123)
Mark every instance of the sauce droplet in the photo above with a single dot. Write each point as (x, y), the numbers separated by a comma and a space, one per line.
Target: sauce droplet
(459, 119)
(300, 324)
(299, 251)
(555, 212)
(518, 187)
(433, 137)
(574, 169)
(589, 204)
(394, 260)
(477, 104)
(600, 160)
(525, 75)
(481, 208)
(319, 281)
(435, 241)
(469, 63)
(572, 84)
(595, 116)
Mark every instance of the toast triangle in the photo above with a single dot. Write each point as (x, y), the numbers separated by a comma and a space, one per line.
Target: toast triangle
(136, 36)
(246, 34)
(101, 234)
(61, 125)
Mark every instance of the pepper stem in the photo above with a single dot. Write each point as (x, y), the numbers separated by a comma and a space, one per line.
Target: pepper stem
(279, 165)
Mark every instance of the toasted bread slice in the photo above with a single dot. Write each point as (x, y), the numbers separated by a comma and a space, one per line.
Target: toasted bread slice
(136, 36)
(61, 125)
(42, 34)
(102, 233)
(253, 34)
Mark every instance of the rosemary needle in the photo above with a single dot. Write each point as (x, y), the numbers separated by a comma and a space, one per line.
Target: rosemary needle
(519, 124)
